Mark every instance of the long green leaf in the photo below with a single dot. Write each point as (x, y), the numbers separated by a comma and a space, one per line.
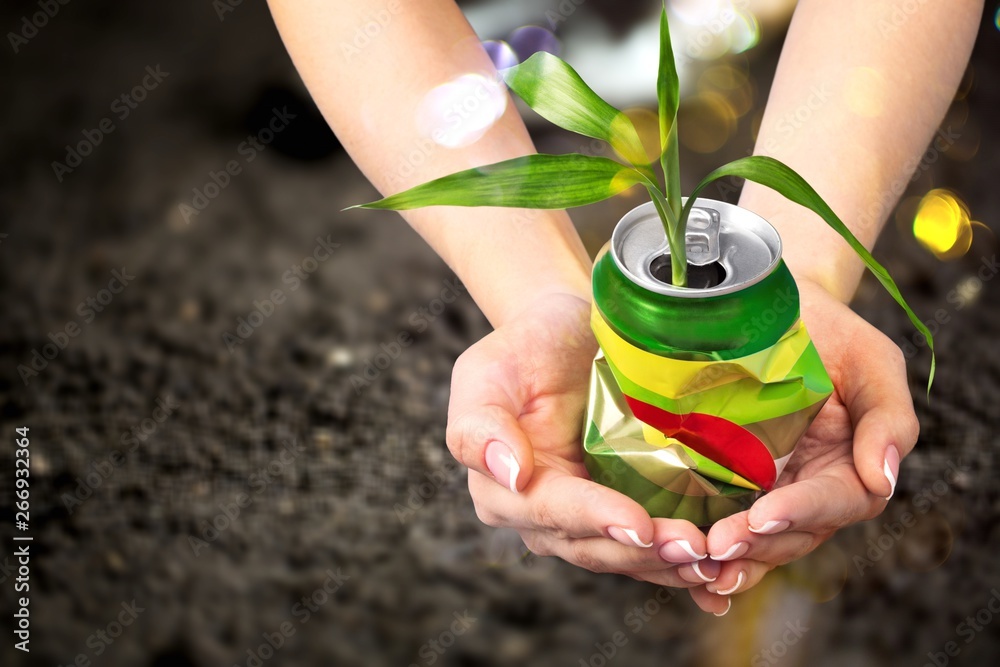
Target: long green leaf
(557, 93)
(782, 179)
(668, 96)
(532, 181)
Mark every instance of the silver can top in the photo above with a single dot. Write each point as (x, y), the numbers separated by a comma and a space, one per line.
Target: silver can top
(746, 245)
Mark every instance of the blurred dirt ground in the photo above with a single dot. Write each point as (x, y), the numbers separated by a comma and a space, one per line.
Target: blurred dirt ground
(364, 515)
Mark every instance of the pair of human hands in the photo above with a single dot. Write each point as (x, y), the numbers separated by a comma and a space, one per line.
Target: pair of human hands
(517, 404)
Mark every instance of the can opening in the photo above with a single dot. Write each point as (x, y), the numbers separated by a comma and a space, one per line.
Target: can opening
(698, 277)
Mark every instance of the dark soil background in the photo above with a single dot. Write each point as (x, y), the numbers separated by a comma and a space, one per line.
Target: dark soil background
(370, 495)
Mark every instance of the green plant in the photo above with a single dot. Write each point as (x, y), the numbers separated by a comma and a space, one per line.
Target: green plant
(557, 93)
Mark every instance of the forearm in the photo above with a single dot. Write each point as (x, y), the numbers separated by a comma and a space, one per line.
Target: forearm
(857, 97)
(369, 95)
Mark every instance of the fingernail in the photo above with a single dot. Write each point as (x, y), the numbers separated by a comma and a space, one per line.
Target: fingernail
(891, 468)
(697, 565)
(679, 551)
(734, 551)
(770, 528)
(730, 591)
(729, 605)
(501, 462)
(627, 536)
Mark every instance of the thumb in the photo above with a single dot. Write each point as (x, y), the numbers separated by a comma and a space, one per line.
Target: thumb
(885, 425)
(483, 431)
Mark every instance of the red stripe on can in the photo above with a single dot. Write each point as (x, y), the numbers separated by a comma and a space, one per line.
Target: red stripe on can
(719, 439)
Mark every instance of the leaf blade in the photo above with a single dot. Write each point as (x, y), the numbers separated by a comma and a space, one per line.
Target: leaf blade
(668, 101)
(556, 92)
(533, 181)
(785, 181)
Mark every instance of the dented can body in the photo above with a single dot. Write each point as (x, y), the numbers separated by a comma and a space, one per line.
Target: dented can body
(698, 394)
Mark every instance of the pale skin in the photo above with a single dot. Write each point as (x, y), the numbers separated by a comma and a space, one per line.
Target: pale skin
(518, 395)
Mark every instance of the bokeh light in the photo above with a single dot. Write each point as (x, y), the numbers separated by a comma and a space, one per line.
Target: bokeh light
(531, 39)
(967, 291)
(942, 225)
(745, 31)
(458, 113)
(647, 126)
(501, 53)
(731, 83)
(706, 121)
(865, 91)
(709, 29)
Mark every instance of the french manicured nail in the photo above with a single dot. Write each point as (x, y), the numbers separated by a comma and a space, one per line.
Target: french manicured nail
(729, 591)
(891, 468)
(679, 551)
(770, 528)
(627, 536)
(729, 604)
(501, 462)
(707, 570)
(732, 552)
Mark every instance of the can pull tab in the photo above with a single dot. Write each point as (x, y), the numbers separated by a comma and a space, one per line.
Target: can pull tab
(702, 238)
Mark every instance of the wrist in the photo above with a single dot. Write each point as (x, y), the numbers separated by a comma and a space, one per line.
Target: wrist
(507, 258)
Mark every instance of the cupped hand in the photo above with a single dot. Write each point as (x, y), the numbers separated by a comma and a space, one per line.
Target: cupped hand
(518, 399)
(845, 467)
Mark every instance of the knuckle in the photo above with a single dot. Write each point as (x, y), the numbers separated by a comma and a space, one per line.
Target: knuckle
(544, 516)
(536, 545)
(488, 516)
(583, 555)
(873, 510)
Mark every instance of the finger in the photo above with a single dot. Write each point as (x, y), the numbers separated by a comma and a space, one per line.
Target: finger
(483, 431)
(678, 541)
(564, 505)
(878, 398)
(621, 556)
(700, 572)
(818, 505)
(597, 554)
(710, 602)
(732, 539)
(665, 578)
(738, 576)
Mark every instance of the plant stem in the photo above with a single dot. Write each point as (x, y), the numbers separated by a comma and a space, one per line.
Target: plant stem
(670, 163)
(675, 237)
